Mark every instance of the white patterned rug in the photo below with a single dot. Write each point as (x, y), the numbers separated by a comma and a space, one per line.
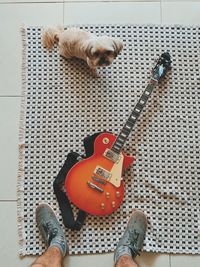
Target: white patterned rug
(62, 103)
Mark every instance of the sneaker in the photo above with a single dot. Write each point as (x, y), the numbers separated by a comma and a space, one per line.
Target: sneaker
(132, 240)
(50, 228)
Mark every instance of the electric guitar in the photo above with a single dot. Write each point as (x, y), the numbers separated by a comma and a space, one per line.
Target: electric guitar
(95, 184)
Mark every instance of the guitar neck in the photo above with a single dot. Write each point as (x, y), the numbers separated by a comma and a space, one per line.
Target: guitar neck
(128, 126)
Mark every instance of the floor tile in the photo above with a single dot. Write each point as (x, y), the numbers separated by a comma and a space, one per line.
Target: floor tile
(153, 260)
(112, 12)
(60, 1)
(9, 121)
(180, 1)
(112, 1)
(9, 237)
(106, 260)
(11, 49)
(96, 260)
(189, 12)
(185, 260)
(27, 1)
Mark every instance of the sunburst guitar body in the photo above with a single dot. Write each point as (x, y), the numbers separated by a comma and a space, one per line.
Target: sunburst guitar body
(95, 184)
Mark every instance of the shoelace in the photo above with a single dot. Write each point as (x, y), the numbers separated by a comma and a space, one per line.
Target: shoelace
(134, 250)
(136, 234)
(50, 230)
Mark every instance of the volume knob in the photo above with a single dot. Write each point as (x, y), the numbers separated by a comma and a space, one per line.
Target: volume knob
(113, 204)
(102, 206)
(107, 194)
(117, 194)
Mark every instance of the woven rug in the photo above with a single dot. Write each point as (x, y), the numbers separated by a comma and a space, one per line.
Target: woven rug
(62, 103)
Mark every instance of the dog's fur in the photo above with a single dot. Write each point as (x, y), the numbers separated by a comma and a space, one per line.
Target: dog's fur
(73, 42)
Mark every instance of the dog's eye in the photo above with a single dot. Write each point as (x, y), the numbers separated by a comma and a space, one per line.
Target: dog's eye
(96, 54)
(108, 53)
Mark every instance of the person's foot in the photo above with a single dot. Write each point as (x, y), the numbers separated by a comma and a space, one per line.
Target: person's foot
(132, 240)
(50, 228)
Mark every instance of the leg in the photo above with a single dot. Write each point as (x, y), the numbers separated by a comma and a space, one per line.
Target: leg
(131, 243)
(126, 261)
(51, 258)
(53, 236)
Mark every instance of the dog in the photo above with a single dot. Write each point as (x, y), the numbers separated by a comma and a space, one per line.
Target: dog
(97, 51)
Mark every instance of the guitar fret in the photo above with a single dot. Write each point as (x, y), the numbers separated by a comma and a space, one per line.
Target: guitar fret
(124, 135)
(149, 89)
(115, 150)
(147, 92)
(117, 147)
(121, 139)
(130, 122)
(128, 127)
(133, 117)
(137, 110)
(125, 131)
(144, 98)
(139, 106)
(142, 102)
(118, 142)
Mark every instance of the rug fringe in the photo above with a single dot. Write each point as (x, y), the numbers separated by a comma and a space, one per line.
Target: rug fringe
(20, 178)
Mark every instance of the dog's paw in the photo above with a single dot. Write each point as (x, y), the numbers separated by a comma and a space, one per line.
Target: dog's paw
(95, 73)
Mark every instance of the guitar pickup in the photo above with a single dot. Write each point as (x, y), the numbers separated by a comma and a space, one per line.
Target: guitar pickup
(101, 172)
(111, 155)
(93, 186)
(98, 180)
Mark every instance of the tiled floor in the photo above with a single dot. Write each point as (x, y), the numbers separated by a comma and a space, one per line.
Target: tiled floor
(52, 12)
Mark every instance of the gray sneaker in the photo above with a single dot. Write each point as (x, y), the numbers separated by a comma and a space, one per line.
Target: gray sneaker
(50, 228)
(132, 240)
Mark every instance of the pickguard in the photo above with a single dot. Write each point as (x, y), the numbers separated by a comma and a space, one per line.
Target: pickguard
(116, 172)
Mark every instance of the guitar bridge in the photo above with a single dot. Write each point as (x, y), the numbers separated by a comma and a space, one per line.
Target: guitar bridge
(102, 173)
(111, 155)
(95, 187)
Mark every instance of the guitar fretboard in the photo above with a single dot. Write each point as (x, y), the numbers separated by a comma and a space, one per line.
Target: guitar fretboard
(128, 126)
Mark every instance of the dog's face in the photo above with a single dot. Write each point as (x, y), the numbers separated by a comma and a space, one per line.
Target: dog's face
(101, 51)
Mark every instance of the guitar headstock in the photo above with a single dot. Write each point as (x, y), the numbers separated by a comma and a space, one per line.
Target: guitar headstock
(162, 66)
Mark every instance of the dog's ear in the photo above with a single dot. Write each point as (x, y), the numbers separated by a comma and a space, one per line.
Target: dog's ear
(88, 48)
(118, 45)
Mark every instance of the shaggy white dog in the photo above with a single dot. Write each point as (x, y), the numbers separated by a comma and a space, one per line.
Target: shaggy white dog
(73, 42)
